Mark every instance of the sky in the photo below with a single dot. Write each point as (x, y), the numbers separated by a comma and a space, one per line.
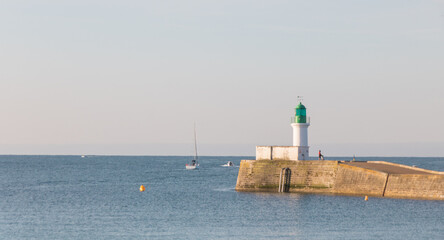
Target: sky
(132, 77)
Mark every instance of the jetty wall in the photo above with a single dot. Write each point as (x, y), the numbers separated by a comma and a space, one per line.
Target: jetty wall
(417, 186)
(263, 175)
(337, 177)
(356, 180)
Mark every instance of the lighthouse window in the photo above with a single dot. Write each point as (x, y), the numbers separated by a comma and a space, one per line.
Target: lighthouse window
(300, 112)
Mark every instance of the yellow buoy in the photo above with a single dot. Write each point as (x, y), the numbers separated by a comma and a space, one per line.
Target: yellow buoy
(366, 198)
(142, 188)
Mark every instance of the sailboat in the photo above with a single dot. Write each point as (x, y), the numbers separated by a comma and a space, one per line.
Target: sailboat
(194, 163)
(228, 164)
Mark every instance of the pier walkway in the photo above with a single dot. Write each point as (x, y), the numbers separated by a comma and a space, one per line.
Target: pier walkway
(389, 168)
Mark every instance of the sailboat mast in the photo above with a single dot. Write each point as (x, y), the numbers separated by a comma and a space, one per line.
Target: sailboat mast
(195, 143)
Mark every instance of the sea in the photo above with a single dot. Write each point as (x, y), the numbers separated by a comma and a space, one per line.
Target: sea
(98, 197)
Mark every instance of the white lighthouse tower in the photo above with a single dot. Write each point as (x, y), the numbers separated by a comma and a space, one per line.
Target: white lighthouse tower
(300, 131)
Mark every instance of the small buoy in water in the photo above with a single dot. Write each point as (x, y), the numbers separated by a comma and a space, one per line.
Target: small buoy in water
(366, 198)
(142, 188)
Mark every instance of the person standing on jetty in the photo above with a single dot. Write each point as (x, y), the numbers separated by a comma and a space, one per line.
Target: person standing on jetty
(321, 157)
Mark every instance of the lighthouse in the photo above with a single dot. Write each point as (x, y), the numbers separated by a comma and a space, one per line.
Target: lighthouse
(300, 131)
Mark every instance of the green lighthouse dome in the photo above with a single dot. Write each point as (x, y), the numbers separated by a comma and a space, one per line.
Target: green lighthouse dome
(301, 114)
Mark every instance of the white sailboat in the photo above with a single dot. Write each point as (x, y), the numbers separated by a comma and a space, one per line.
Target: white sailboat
(228, 164)
(194, 163)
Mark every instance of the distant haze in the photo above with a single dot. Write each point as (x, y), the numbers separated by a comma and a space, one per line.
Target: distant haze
(131, 77)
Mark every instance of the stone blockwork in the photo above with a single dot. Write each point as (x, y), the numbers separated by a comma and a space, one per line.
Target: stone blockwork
(419, 185)
(306, 176)
(358, 178)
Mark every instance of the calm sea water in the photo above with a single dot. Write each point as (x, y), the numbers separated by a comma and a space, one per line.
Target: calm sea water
(97, 197)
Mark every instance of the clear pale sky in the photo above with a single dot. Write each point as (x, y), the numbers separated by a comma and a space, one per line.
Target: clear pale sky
(131, 77)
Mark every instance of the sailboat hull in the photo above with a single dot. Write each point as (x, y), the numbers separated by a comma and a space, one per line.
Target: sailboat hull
(192, 167)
